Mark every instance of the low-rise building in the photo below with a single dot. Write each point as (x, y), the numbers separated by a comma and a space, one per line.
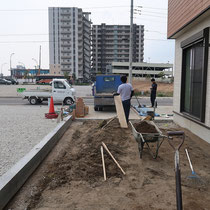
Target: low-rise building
(20, 72)
(143, 70)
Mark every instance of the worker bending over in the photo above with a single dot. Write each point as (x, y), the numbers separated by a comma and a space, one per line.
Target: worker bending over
(126, 92)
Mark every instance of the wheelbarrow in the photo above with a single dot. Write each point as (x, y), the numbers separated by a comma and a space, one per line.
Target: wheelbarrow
(147, 138)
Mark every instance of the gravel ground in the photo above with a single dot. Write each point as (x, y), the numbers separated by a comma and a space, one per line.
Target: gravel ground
(21, 128)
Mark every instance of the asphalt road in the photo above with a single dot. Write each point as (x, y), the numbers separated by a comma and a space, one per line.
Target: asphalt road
(89, 101)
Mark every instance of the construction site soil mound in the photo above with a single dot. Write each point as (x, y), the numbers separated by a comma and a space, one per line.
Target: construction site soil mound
(71, 177)
(145, 127)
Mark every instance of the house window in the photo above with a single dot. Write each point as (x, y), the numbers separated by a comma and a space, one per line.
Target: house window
(194, 74)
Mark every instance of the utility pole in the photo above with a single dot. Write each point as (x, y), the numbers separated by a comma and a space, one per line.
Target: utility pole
(11, 74)
(39, 61)
(131, 45)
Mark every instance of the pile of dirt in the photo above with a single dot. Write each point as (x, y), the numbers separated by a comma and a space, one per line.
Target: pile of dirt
(81, 161)
(145, 127)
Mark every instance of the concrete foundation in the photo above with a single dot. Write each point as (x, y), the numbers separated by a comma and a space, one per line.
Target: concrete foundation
(195, 128)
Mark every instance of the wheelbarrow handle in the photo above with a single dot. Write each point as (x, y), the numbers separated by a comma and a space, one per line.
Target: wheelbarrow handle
(179, 134)
(175, 133)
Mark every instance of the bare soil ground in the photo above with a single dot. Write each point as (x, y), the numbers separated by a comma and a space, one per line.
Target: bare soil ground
(146, 85)
(72, 177)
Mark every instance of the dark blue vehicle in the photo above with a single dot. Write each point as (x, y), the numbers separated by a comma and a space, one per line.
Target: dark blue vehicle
(103, 90)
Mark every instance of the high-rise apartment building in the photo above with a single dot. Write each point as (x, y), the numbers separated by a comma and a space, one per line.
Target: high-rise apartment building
(69, 36)
(111, 43)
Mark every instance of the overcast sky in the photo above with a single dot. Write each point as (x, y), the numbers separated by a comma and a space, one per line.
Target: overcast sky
(24, 27)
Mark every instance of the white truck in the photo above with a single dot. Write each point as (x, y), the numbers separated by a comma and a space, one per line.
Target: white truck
(60, 90)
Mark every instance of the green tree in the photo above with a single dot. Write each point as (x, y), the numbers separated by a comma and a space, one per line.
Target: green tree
(161, 75)
(66, 75)
(148, 76)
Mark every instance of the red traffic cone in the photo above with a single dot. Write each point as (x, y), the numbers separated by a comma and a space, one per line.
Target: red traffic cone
(51, 113)
(51, 110)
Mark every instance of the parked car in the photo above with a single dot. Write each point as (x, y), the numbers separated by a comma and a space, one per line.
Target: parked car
(44, 81)
(5, 82)
(14, 82)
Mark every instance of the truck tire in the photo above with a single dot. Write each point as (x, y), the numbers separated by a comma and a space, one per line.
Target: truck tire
(33, 100)
(100, 108)
(39, 100)
(68, 101)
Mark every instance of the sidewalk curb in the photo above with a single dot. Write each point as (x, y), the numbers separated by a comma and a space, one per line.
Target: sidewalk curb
(14, 178)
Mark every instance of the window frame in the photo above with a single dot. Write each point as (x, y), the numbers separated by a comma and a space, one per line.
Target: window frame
(196, 38)
(59, 87)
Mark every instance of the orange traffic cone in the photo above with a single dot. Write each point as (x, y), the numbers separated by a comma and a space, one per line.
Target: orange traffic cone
(51, 110)
(51, 113)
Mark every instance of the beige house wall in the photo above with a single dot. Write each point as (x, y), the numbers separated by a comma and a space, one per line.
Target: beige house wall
(199, 130)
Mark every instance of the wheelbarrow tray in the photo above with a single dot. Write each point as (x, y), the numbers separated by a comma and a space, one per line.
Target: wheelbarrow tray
(145, 138)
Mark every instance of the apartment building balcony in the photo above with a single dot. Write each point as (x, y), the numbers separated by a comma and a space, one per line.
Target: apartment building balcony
(66, 45)
(65, 20)
(86, 29)
(86, 47)
(65, 10)
(80, 62)
(65, 38)
(66, 64)
(66, 14)
(65, 51)
(87, 35)
(65, 26)
(65, 17)
(86, 59)
(87, 54)
(64, 31)
(86, 40)
(66, 57)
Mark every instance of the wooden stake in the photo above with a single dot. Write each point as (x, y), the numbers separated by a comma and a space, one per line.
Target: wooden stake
(59, 117)
(62, 113)
(104, 145)
(103, 163)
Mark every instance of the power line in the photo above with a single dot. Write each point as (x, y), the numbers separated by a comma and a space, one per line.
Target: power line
(154, 31)
(35, 41)
(152, 8)
(157, 21)
(150, 15)
(152, 12)
(44, 10)
(23, 34)
(47, 34)
(159, 39)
